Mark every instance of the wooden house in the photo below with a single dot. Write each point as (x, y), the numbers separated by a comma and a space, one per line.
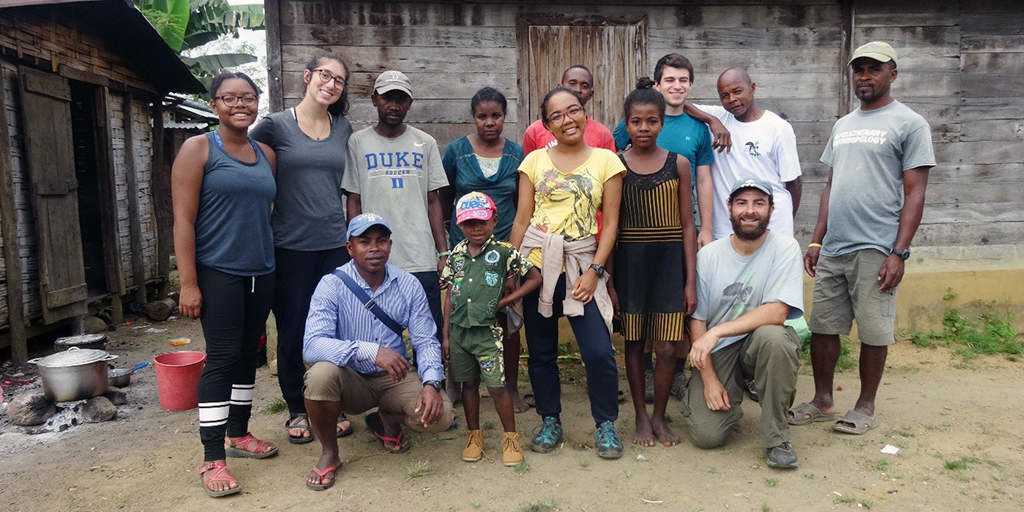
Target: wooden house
(960, 66)
(84, 217)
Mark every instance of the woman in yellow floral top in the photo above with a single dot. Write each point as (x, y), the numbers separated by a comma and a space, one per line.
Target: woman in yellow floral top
(561, 191)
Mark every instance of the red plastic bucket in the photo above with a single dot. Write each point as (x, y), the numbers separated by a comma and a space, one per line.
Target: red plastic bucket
(177, 379)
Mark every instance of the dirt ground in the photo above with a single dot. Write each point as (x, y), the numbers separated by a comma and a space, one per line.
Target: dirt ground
(956, 426)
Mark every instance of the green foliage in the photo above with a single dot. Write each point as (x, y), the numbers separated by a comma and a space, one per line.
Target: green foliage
(169, 18)
(961, 464)
(522, 468)
(544, 505)
(847, 361)
(417, 469)
(991, 332)
(275, 406)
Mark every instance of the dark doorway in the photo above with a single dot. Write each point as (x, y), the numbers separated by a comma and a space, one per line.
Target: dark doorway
(83, 129)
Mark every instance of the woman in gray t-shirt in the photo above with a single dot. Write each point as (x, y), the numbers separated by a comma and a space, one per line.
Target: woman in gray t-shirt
(311, 140)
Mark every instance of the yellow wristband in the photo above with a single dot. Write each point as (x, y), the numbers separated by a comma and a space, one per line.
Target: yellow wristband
(814, 245)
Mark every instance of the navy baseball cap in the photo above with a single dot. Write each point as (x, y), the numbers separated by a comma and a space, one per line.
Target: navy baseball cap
(755, 184)
(362, 222)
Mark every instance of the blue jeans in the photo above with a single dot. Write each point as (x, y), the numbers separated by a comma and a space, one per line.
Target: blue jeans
(595, 344)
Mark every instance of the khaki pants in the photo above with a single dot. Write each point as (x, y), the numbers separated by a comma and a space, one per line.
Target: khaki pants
(772, 355)
(359, 393)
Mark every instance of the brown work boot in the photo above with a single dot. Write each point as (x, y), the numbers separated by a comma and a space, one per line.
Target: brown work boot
(474, 450)
(511, 453)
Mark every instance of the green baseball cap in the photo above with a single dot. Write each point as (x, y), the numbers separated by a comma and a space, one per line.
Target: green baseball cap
(877, 50)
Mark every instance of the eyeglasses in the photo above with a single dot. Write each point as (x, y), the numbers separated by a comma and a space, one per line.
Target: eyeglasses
(574, 112)
(232, 100)
(327, 76)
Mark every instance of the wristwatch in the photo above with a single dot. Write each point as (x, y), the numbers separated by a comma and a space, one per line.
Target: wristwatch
(904, 254)
(436, 384)
(598, 268)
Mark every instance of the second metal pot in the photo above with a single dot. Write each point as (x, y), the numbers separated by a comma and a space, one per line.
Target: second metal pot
(74, 375)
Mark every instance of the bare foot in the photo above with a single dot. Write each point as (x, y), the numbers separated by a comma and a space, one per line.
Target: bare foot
(326, 461)
(664, 433)
(644, 435)
(518, 404)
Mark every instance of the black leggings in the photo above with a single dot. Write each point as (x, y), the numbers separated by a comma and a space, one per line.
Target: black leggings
(296, 277)
(234, 316)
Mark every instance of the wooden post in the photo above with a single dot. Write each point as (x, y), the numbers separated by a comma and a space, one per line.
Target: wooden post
(272, 20)
(138, 265)
(161, 200)
(12, 258)
(845, 50)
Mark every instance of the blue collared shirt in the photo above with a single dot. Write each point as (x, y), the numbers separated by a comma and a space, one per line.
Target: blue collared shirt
(340, 330)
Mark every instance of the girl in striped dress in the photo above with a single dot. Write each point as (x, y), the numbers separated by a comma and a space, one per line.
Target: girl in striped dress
(655, 258)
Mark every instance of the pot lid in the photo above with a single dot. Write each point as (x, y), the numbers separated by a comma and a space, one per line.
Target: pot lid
(72, 357)
(81, 339)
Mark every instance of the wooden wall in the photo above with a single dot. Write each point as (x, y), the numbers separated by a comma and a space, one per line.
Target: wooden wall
(960, 67)
(35, 39)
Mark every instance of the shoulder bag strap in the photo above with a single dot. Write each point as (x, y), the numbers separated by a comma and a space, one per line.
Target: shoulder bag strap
(369, 303)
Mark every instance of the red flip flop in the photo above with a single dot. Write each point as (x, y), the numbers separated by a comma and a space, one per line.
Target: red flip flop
(322, 473)
(376, 426)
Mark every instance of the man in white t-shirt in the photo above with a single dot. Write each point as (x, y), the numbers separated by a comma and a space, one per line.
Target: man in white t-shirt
(763, 147)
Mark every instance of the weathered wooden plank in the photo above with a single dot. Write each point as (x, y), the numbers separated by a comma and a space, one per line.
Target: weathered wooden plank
(779, 86)
(666, 15)
(746, 38)
(1009, 23)
(992, 152)
(980, 192)
(969, 233)
(991, 62)
(160, 182)
(106, 189)
(1003, 129)
(709, 62)
(454, 37)
(134, 222)
(963, 211)
(991, 43)
(9, 231)
(909, 39)
(990, 85)
(425, 86)
(422, 111)
(408, 59)
(981, 109)
(974, 173)
(272, 20)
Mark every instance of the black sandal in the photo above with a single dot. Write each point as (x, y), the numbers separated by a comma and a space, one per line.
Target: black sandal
(293, 423)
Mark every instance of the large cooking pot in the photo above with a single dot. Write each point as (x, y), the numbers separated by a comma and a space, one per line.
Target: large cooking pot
(76, 374)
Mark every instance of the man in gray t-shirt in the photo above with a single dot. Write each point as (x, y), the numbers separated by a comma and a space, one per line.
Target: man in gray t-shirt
(748, 284)
(870, 209)
(394, 170)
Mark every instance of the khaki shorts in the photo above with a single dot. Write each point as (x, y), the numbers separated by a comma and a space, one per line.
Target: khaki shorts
(845, 289)
(358, 393)
(477, 352)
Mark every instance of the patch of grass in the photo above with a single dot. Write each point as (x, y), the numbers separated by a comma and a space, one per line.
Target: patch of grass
(846, 498)
(765, 508)
(522, 468)
(476, 504)
(963, 463)
(771, 482)
(847, 360)
(544, 505)
(866, 503)
(990, 332)
(417, 469)
(711, 470)
(275, 406)
(488, 425)
(809, 476)
(584, 464)
(882, 465)
(902, 433)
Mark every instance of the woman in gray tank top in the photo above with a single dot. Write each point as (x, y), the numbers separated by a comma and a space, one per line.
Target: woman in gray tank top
(222, 187)
(311, 141)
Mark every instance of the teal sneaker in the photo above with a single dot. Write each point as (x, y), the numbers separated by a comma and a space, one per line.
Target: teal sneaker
(606, 438)
(549, 436)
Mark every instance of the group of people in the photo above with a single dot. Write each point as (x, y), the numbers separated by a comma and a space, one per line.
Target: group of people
(344, 236)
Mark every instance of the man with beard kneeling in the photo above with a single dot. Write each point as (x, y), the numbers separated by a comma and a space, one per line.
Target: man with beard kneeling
(748, 284)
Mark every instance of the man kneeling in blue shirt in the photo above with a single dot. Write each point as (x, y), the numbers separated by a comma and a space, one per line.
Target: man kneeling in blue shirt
(359, 362)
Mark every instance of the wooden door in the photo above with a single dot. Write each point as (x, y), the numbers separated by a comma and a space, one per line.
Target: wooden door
(49, 148)
(613, 48)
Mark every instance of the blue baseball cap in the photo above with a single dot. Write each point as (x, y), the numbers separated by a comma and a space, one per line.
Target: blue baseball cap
(362, 222)
(755, 184)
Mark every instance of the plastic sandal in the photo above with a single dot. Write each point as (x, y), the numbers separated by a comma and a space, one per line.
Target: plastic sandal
(218, 469)
(240, 448)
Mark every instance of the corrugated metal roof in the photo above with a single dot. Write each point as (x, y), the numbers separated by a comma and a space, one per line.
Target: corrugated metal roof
(129, 34)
